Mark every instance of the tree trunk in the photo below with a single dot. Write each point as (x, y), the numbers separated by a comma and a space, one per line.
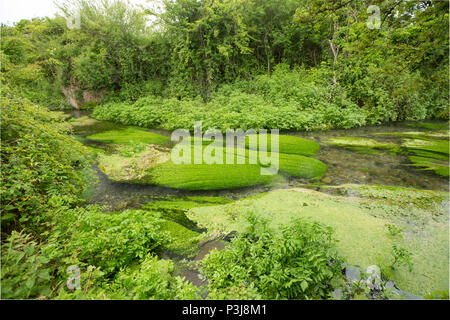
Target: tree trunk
(335, 55)
(267, 53)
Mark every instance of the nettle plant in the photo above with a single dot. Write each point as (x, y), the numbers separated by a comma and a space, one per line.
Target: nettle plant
(299, 261)
(26, 269)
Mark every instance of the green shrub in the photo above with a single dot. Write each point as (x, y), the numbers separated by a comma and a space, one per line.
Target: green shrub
(91, 71)
(285, 101)
(110, 241)
(134, 91)
(39, 161)
(149, 279)
(26, 269)
(298, 262)
(153, 279)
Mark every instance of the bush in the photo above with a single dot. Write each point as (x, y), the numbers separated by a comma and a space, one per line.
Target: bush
(153, 280)
(289, 101)
(109, 241)
(297, 262)
(91, 71)
(114, 251)
(133, 91)
(39, 161)
(26, 270)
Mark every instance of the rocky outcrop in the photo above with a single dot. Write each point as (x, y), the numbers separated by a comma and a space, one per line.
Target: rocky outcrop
(369, 284)
(77, 97)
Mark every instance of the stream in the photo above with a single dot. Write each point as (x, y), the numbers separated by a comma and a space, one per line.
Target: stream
(344, 167)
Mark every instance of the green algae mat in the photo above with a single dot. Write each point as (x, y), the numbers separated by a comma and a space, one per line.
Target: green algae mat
(360, 226)
(286, 144)
(155, 165)
(184, 233)
(429, 154)
(129, 135)
(361, 144)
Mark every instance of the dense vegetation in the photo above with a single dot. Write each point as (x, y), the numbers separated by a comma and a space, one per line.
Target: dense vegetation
(41, 164)
(44, 229)
(293, 65)
(44, 173)
(298, 262)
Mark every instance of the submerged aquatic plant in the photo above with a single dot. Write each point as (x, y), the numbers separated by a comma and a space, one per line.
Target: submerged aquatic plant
(216, 176)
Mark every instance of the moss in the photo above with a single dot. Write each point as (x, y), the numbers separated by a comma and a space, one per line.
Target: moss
(86, 126)
(182, 176)
(83, 121)
(186, 202)
(439, 167)
(286, 144)
(129, 135)
(430, 202)
(430, 149)
(205, 142)
(206, 176)
(152, 167)
(208, 200)
(360, 229)
(363, 150)
(359, 142)
(228, 176)
(289, 144)
(94, 150)
(430, 154)
(184, 233)
(131, 165)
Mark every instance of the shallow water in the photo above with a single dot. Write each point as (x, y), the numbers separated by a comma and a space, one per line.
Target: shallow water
(344, 166)
(119, 196)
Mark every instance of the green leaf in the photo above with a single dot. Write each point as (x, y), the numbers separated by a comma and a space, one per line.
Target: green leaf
(29, 283)
(304, 285)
